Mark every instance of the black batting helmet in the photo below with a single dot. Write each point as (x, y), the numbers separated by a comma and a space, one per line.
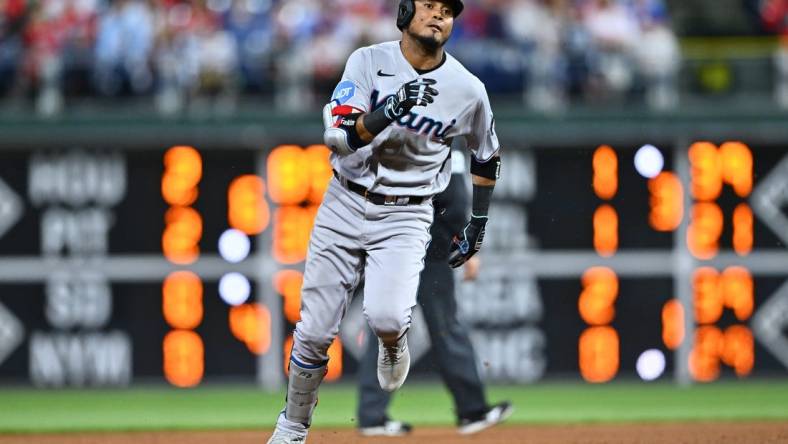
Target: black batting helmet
(408, 7)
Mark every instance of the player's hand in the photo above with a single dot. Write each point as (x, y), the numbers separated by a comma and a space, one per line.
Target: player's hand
(471, 269)
(468, 242)
(418, 92)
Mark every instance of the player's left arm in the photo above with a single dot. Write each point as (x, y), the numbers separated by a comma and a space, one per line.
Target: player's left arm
(485, 171)
(469, 241)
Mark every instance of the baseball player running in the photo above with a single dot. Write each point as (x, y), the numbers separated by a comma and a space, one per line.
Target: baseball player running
(390, 131)
(451, 345)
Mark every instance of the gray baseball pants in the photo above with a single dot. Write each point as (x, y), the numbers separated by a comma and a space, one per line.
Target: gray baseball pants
(354, 240)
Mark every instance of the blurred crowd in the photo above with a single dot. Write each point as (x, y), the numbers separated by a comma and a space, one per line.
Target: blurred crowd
(204, 54)
(775, 18)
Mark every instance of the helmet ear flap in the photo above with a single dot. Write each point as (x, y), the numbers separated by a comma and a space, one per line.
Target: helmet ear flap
(405, 12)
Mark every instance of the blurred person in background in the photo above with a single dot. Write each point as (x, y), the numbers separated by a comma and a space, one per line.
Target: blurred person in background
(58, 34)
(349, 23)
(775, 18)
(81, 17)
(575, 47)
(450, 344)
(538, 26)
(195, 59)
(249, 23)
(42, 64)
(218, 68)
(13, 17)
(176, 57)
(657, 54)
(614, 32)
(124, 46)
(316, 37)
(371, 19)
(485, 47)
(296, 23)
(335, 37)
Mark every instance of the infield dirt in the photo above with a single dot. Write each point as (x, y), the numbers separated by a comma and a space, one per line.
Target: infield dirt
(668, 433)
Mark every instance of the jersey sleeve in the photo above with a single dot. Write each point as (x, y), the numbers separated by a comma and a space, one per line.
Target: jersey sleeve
(483, 141)
(354, 90)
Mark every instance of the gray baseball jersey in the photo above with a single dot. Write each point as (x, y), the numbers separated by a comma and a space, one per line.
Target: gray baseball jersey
(382, 247)
(411, 156)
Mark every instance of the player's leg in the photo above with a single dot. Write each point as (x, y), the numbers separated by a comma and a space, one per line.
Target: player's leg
(374, 401)
(451, 345)
(331, 272)
(454, 352)
(397, 239)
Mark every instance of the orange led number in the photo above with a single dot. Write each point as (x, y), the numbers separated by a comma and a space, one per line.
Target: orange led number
(738, 291)
(742, 229)
(713, 291)
(600, 290)
(738, 349)
(292, 227)
(247, 209)
(184, 359)
(605, 166)
(734, 348)
(705, 171)
(707, 295)
(705, 229)
(732, 163)
(182, 173)
(182, 233)
(666, 201)
(182, 305)
(288, 175)
(673, 324)
(737, 167)
(182, 292)
(704, 358)
(251, 324)
(598, 345)
(598, 350)
(605, 230)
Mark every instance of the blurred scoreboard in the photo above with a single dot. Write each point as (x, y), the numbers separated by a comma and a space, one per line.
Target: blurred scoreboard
(617, 274)
(184, 265)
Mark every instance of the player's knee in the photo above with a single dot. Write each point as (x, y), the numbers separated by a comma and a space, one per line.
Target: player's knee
(310, 346)
(387, 323)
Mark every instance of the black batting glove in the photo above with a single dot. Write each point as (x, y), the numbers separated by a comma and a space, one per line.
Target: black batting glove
(468, 242)
(418, 92)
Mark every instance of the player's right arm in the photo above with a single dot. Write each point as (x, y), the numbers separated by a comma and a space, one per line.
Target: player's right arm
(348, 124)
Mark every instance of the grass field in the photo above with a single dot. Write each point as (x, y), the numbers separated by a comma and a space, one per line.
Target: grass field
(31, 411)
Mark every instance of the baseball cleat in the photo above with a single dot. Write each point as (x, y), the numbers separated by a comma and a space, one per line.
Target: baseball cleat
(495, 415)
(389, 427)
(288, 432)
(285, 437)
(393, 364)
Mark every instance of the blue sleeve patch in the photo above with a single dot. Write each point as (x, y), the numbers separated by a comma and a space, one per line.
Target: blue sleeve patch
(344, 91)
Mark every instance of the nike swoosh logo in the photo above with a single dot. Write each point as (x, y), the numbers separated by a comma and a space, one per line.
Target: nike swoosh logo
(382, 74)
